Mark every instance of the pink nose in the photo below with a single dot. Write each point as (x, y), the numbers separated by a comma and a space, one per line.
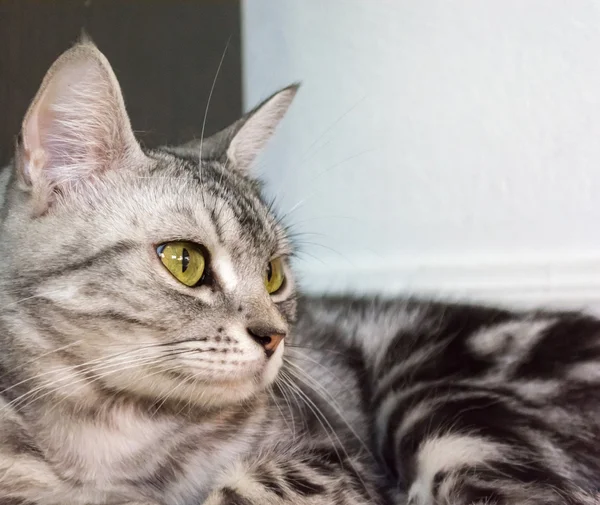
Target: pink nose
(268, 340)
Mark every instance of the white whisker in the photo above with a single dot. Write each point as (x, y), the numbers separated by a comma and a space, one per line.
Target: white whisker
(281, 413)
(32, 396)
(321, 418)
(307, 399)
(212, 88)
(323, 393)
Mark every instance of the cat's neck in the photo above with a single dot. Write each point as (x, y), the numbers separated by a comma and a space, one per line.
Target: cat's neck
(88, 432)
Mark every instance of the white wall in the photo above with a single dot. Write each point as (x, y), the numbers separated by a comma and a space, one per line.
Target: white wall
(446, 146)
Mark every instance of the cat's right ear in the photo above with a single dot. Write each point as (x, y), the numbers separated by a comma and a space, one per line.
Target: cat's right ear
(75, 128)
(238, 145)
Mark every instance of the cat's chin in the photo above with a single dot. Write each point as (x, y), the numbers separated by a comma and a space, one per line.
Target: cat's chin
(220, 393)
(199, 394)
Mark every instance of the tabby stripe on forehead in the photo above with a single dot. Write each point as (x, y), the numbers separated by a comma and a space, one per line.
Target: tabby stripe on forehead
(250, 213)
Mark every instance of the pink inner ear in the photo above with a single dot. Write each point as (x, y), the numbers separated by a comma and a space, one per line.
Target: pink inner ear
(77, 124)
(72, 124)
(250, 140)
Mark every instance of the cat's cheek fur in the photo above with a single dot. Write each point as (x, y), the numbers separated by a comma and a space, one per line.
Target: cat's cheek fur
(273, 367)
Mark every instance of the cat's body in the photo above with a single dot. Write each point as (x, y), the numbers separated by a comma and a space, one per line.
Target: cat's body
(472, 404)
(146, 302)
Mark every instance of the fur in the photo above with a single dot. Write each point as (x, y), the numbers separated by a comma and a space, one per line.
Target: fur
(120, 385)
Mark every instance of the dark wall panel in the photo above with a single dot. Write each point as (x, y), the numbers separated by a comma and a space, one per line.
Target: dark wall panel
(165, 54)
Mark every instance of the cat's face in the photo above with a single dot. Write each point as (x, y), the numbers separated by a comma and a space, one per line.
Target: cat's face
(162, 272)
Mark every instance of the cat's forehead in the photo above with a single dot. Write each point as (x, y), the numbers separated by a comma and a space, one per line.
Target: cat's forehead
(210, 195)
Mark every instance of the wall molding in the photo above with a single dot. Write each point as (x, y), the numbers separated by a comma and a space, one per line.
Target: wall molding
(570, 281)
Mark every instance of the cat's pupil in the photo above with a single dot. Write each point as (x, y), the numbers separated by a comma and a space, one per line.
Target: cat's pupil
(269, 271)
(185, 260)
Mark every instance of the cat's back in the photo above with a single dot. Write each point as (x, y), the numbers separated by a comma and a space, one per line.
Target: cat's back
(540, 344)
(434, 367)
(549, 357)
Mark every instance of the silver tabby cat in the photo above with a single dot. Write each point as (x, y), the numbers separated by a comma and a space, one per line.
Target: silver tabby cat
(154, 351)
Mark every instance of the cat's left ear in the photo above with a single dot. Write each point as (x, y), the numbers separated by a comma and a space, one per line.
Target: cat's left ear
(238, 145)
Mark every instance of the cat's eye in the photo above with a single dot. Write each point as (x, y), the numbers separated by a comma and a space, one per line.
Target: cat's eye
(185, 261)
(274, 276)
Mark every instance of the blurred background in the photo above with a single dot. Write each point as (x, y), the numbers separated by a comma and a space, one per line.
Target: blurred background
(445, 147)
(165, 54)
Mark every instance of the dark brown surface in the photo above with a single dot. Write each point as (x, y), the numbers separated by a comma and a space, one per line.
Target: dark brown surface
(165, 54)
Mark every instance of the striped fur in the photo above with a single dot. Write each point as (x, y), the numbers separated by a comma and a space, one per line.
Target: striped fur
(475, 405)
(119, 385)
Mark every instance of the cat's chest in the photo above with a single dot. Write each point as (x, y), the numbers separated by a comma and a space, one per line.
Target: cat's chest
(129, 456)
(99, 450)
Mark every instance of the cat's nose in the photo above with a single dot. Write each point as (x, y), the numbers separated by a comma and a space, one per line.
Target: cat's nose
(268, 338)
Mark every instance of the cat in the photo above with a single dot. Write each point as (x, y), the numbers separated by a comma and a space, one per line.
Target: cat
(146, 301)
(155, 350)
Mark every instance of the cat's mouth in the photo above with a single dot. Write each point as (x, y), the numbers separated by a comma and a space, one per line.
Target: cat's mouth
(227, 383)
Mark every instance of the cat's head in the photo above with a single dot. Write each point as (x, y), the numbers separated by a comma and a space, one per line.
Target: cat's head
(159, 272)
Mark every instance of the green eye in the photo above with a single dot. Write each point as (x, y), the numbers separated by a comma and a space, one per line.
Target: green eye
(274, 276)
(185, 260)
